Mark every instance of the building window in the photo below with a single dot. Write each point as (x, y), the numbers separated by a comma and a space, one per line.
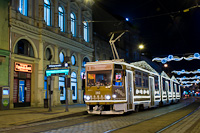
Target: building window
(23, 4)
(61, 57)
(61, 18)
(48, 54)
(73, 60)
(85, 60)
(73, 24)
(23, 47)
(74, 86)
(62, 88)
(47, 12)
(86, 32)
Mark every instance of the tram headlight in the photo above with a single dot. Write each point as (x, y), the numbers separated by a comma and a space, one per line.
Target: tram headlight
(114, 96)
(87, 97)
(108, 97)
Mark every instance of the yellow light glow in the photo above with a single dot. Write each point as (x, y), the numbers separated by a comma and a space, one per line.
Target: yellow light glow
(141, 46)
(165, 65)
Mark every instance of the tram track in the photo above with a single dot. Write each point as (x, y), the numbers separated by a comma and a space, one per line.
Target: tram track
(161, 122)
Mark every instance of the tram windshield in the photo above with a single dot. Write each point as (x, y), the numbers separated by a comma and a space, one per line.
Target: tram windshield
(99, 78)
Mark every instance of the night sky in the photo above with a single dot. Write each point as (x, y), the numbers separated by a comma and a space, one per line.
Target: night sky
(163, 29)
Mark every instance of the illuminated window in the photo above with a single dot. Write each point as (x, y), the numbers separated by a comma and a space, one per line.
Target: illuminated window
(23, 4)
(61, 57)
(118, 78)
(86, 32)
(73, 24)
(74, 86)
(61, 18)
(100, 78)
(73, 60)
(47, 12)
(23, 47)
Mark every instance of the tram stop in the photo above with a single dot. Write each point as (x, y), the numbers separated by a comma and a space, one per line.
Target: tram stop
(4, 98)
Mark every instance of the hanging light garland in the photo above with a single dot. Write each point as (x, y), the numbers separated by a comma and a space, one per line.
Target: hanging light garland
(186, 72)
(187, 85)
(190, 82)
(176, 58)
(187, 78)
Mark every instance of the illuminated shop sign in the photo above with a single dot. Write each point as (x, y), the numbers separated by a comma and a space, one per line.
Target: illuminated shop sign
(57, 65)
(23, 67)
(57, 72)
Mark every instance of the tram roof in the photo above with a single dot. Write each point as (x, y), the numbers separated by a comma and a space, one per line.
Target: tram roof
(140, 65)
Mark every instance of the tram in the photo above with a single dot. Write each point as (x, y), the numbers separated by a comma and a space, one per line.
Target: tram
(116, 87)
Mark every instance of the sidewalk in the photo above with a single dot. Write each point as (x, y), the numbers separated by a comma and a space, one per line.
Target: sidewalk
(24, 115)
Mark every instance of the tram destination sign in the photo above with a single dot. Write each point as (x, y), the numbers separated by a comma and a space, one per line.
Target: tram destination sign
(57, 65)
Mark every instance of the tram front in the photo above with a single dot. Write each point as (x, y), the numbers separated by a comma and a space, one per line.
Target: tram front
(104, 91)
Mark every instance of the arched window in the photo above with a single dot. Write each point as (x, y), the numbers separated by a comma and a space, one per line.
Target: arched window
(61, 57)
(86, 32)
(73, 60)
(23, 47)
(23, 4)
(85, 60)
(61, 18)
(73, 24)
(47, 12)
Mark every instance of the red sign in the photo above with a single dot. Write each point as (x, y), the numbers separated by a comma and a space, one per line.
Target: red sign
(23, 67)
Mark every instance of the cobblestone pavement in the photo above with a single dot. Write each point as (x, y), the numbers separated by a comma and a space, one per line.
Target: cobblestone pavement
(117, 122)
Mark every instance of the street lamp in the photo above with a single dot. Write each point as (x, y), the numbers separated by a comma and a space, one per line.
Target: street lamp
(165, 65)
(141, 46)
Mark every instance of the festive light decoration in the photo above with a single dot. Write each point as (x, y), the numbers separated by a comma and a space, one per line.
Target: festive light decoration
(187, 78)
(190, 82)
(191, 57)
(176, 58)
(186, 72)
(167, 59)
(187, 85)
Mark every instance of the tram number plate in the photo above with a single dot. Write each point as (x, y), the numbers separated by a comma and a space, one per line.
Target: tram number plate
(97, 92)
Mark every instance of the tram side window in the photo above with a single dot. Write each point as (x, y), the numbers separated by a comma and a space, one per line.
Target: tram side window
(164, 87)
(174, 89)
(169, 85)
(177, 88)
(138, 79)
(145, 80)
(156, 83)
(118, 78)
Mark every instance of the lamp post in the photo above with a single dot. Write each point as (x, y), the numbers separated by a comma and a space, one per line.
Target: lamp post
(67, 82)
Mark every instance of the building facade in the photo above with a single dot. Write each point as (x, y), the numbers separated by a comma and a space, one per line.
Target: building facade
(4, 44)
(43, 32)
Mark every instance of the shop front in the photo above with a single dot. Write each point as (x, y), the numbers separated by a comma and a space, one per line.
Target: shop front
(22, 85)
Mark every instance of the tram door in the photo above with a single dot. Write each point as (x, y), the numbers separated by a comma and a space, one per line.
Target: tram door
(152, 89)
(129, 86)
